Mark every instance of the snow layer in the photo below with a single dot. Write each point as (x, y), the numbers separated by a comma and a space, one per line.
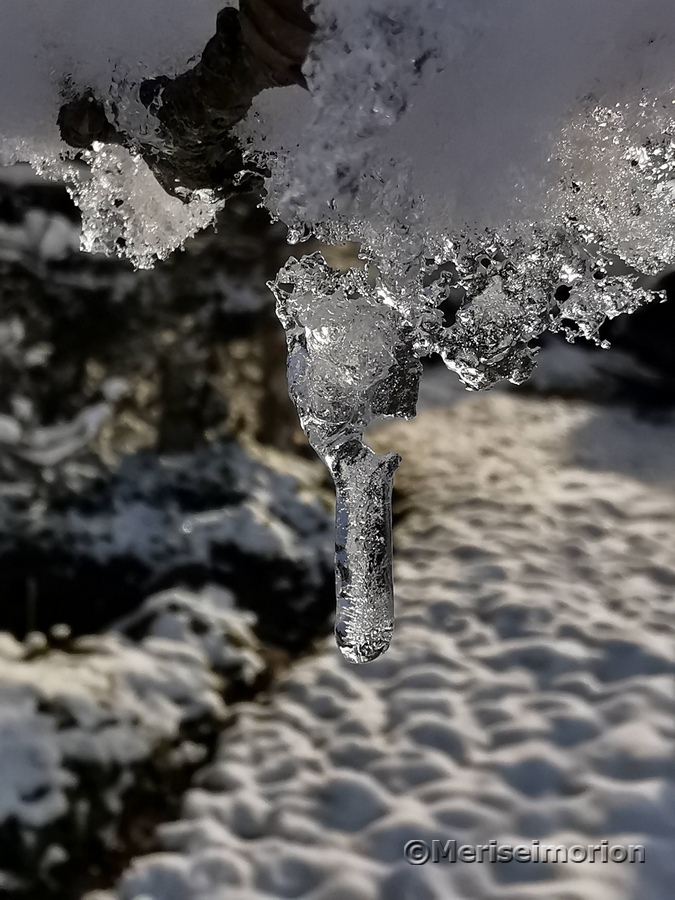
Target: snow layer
(527, 143)
(445, 115)
(45, 47)
(49, 48)
(530, 693)
(428, 114)
(92, 711)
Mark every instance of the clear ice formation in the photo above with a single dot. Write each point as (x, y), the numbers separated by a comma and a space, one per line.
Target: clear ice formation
(516, 158)
(364, 618)
(347, 365)
(577, 245)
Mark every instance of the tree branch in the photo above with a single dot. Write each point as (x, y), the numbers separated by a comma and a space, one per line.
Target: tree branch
(263, 45)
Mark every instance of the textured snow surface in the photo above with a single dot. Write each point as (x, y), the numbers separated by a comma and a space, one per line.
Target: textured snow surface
(530, 693)
(106, 704)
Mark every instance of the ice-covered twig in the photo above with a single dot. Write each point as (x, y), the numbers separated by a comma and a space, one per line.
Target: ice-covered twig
(263, 45)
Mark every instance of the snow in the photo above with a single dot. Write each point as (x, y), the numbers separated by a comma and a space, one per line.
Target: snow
(47, 237)
(424, 126)
(30, 764)
(126, 212)
(529, 695)
(480, 138)
(47, 49)
(509, 149)
(53, 444)
(168, 679)
(93, 710)
(47, 45)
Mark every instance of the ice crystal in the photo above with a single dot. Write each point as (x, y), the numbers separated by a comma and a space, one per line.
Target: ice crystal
(350, 360)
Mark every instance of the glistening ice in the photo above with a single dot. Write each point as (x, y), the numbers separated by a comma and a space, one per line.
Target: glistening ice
(518, 155)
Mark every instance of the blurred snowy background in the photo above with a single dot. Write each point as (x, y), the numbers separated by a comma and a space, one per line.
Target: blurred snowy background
(175, 723)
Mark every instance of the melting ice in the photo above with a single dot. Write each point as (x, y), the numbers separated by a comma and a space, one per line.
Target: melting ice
(519, 154)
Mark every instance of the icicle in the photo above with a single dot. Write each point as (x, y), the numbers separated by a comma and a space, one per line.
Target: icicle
(364, 621)
(350, 362)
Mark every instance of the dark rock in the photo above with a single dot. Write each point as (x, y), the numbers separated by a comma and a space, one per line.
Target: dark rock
(89, 548)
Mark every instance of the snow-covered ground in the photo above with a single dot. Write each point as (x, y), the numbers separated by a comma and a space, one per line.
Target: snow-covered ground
(529, 693)
(83, 722)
